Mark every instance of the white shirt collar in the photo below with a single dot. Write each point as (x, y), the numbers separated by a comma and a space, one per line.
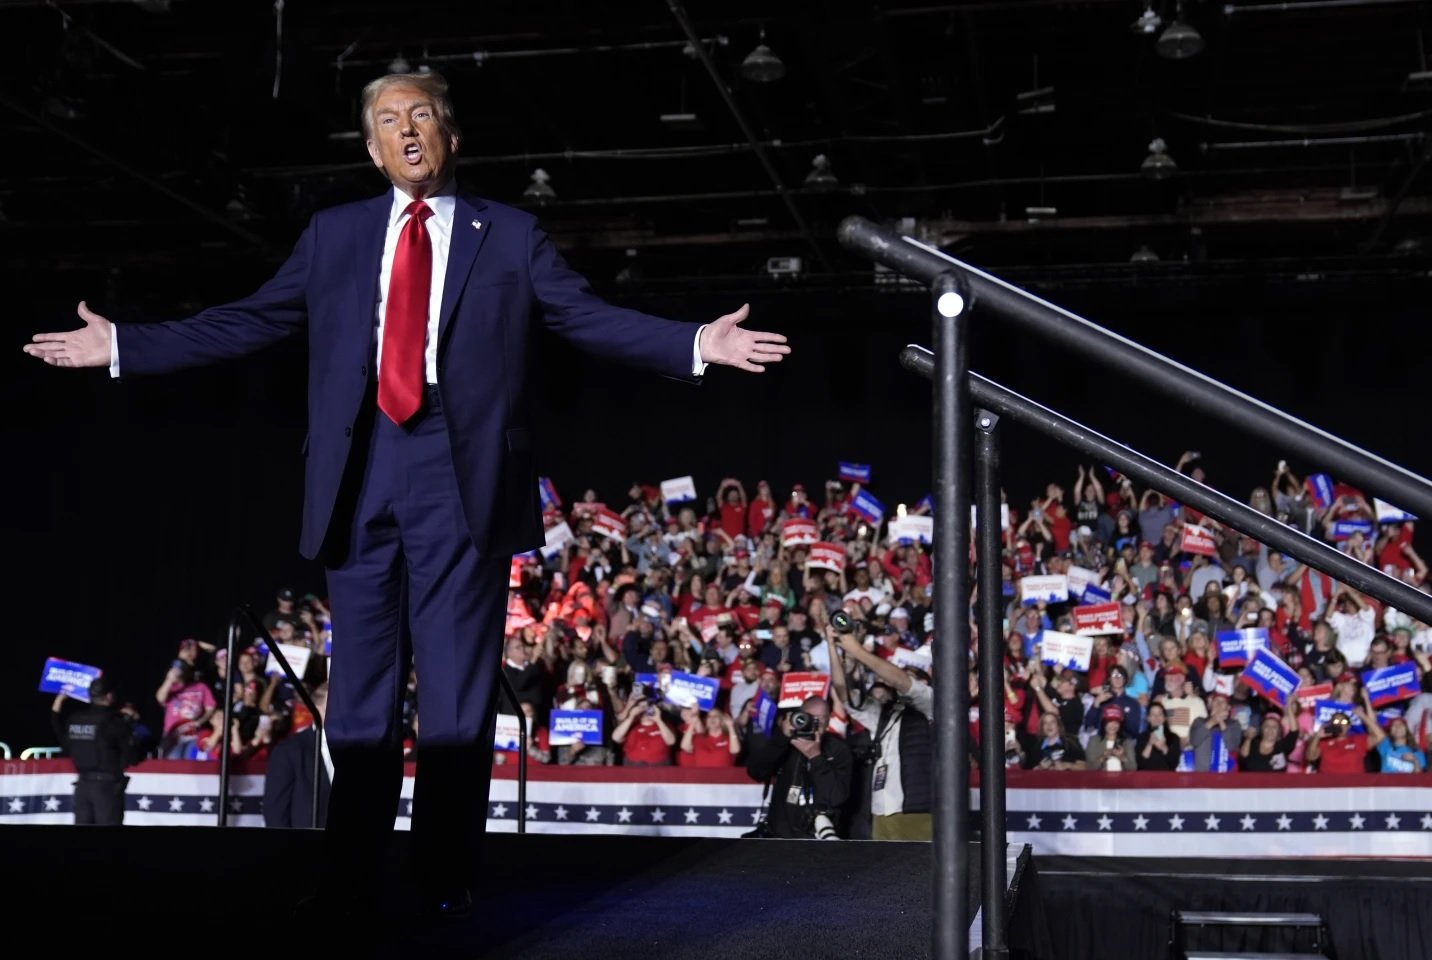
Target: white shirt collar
(443, 202)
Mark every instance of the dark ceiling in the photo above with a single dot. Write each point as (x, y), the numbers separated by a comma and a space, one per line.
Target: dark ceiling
(178, 135)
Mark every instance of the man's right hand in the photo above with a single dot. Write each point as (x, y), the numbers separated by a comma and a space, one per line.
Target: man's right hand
(88, 346)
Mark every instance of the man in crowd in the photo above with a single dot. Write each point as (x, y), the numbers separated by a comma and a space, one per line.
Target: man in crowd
(808, 772)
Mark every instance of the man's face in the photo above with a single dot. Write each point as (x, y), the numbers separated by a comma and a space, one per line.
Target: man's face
(407, 141)
(1173, 683)
(781, 637)
(517, 651)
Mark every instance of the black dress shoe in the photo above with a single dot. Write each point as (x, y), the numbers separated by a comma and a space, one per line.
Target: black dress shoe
(456, 902)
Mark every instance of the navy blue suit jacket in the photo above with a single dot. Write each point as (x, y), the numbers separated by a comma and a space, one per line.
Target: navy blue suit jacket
(288, 783)
(503, 277)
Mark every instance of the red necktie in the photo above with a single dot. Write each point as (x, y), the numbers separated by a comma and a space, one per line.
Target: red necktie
(401, 374)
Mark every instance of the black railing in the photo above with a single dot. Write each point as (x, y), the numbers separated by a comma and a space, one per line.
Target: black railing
(959, 290)
(245, 615)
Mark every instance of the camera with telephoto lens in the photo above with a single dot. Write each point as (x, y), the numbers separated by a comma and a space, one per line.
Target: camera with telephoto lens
(824, 828)
(803, 726)
(844, 622)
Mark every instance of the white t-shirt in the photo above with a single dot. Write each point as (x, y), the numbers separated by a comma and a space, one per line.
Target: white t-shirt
(1355, 632)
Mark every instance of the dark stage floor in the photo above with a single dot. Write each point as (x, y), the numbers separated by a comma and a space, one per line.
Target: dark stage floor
(573, 897)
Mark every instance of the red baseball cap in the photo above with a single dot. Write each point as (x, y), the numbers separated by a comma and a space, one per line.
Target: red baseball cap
(1113, 711)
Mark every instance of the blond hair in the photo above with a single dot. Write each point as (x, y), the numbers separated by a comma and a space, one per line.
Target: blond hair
(430, 83)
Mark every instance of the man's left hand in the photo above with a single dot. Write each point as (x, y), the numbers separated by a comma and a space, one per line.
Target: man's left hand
(726, 342)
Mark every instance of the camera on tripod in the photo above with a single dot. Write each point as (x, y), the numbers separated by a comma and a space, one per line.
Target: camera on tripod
(804, 726)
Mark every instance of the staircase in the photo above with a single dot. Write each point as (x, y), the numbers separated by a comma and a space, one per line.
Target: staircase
(1305, 933)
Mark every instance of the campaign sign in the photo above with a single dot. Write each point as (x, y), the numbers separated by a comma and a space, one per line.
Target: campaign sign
(1391, 684)
(296, 656)
(1387, 513)
(572, 726)
(826, 556)
(855, 472)
(1345, 529)
(1053, 588)
(1080, 580)
(608, 523)
(548, 492)
(1198, 540)
(763, 712)
(1236, 647)
(583, 508)
(1323, 711)
(798, 531)
(67, 677)
(797, 687)
(1270, 676)
(678, 489)
(558, 537)
(1312, 693)
(926, 504)
(1098, 618)
(918, 659)
(689, 690)
(514, 575)
(865, 505)
(1320, 490)
(508, 734)
(912, 529)
(1066, 650)
(1093, 596)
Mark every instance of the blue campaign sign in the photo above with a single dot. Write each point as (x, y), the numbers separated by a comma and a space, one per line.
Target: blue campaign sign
(548, 493)
(1391, 684)
(570, 726)
(1323, 711)
(1320, 489)
(1344, 529)
(1093, 593)
(67, 677)
(1270, 676)
(855, 472)
(763, 717)
(927, 503)
(868, 507)
(689, 690)
(1236, 647)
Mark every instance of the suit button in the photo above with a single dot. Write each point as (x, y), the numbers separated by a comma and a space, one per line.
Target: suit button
(363, 372)
(348, 431)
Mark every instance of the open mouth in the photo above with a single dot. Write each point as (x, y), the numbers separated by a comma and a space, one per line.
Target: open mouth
(413, 153)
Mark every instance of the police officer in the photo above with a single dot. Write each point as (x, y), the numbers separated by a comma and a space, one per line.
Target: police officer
(101, 740)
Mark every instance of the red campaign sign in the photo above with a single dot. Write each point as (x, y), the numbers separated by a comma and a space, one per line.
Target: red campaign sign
(796, 687)
(514, 574)
(799, 530)
(609, 523)
(1099, 618)
(1198, 540)
(826, 556)
(1309, 695)
(582, 506)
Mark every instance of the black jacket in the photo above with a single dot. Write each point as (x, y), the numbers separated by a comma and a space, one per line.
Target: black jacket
(288, 784)
(98, 739)
(801, 787)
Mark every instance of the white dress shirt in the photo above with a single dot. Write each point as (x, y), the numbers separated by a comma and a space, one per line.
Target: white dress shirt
(443, 203)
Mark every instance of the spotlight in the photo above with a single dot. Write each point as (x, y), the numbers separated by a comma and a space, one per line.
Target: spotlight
(400, 64)
(1179, 42)
(1144, 255)
(820, 177)
(1158, 165)
(950, 304)
(761, 65)
(539, 191)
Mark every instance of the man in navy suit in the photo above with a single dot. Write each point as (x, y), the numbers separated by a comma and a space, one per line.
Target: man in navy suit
(420, 308)
(288, 775)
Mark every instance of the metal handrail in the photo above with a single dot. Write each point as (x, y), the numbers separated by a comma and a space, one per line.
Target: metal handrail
(1106, 349)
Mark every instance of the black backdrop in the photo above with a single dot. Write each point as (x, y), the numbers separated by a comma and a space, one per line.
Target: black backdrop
(142, 512)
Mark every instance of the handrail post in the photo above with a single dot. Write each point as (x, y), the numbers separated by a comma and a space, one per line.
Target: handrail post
(950, 305)
(991, 647)
(228, 720)
(521, 753)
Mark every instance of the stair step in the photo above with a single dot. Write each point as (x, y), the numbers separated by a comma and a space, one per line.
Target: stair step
(1223, 918)
(1247, 955)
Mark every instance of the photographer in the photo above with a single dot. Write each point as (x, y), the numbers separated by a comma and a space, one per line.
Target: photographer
(809, 772)
(897, 712)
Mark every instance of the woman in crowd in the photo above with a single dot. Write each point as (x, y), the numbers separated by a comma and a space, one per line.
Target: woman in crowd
(1267, 749)
(1055, 749)
(1109, 749)
(1158, 747)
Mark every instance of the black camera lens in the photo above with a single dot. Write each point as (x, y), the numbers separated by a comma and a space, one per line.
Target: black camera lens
(841, 621)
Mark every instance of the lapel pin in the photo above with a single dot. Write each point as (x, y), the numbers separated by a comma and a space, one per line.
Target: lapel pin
(477, 224)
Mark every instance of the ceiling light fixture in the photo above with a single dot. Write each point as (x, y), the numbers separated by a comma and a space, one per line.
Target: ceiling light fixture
(820, 176)
(761, 65)
(1180, 41)
(400, 64)
(1149, 21)
(1144, 254)
(539, 190)
(1158, 165)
